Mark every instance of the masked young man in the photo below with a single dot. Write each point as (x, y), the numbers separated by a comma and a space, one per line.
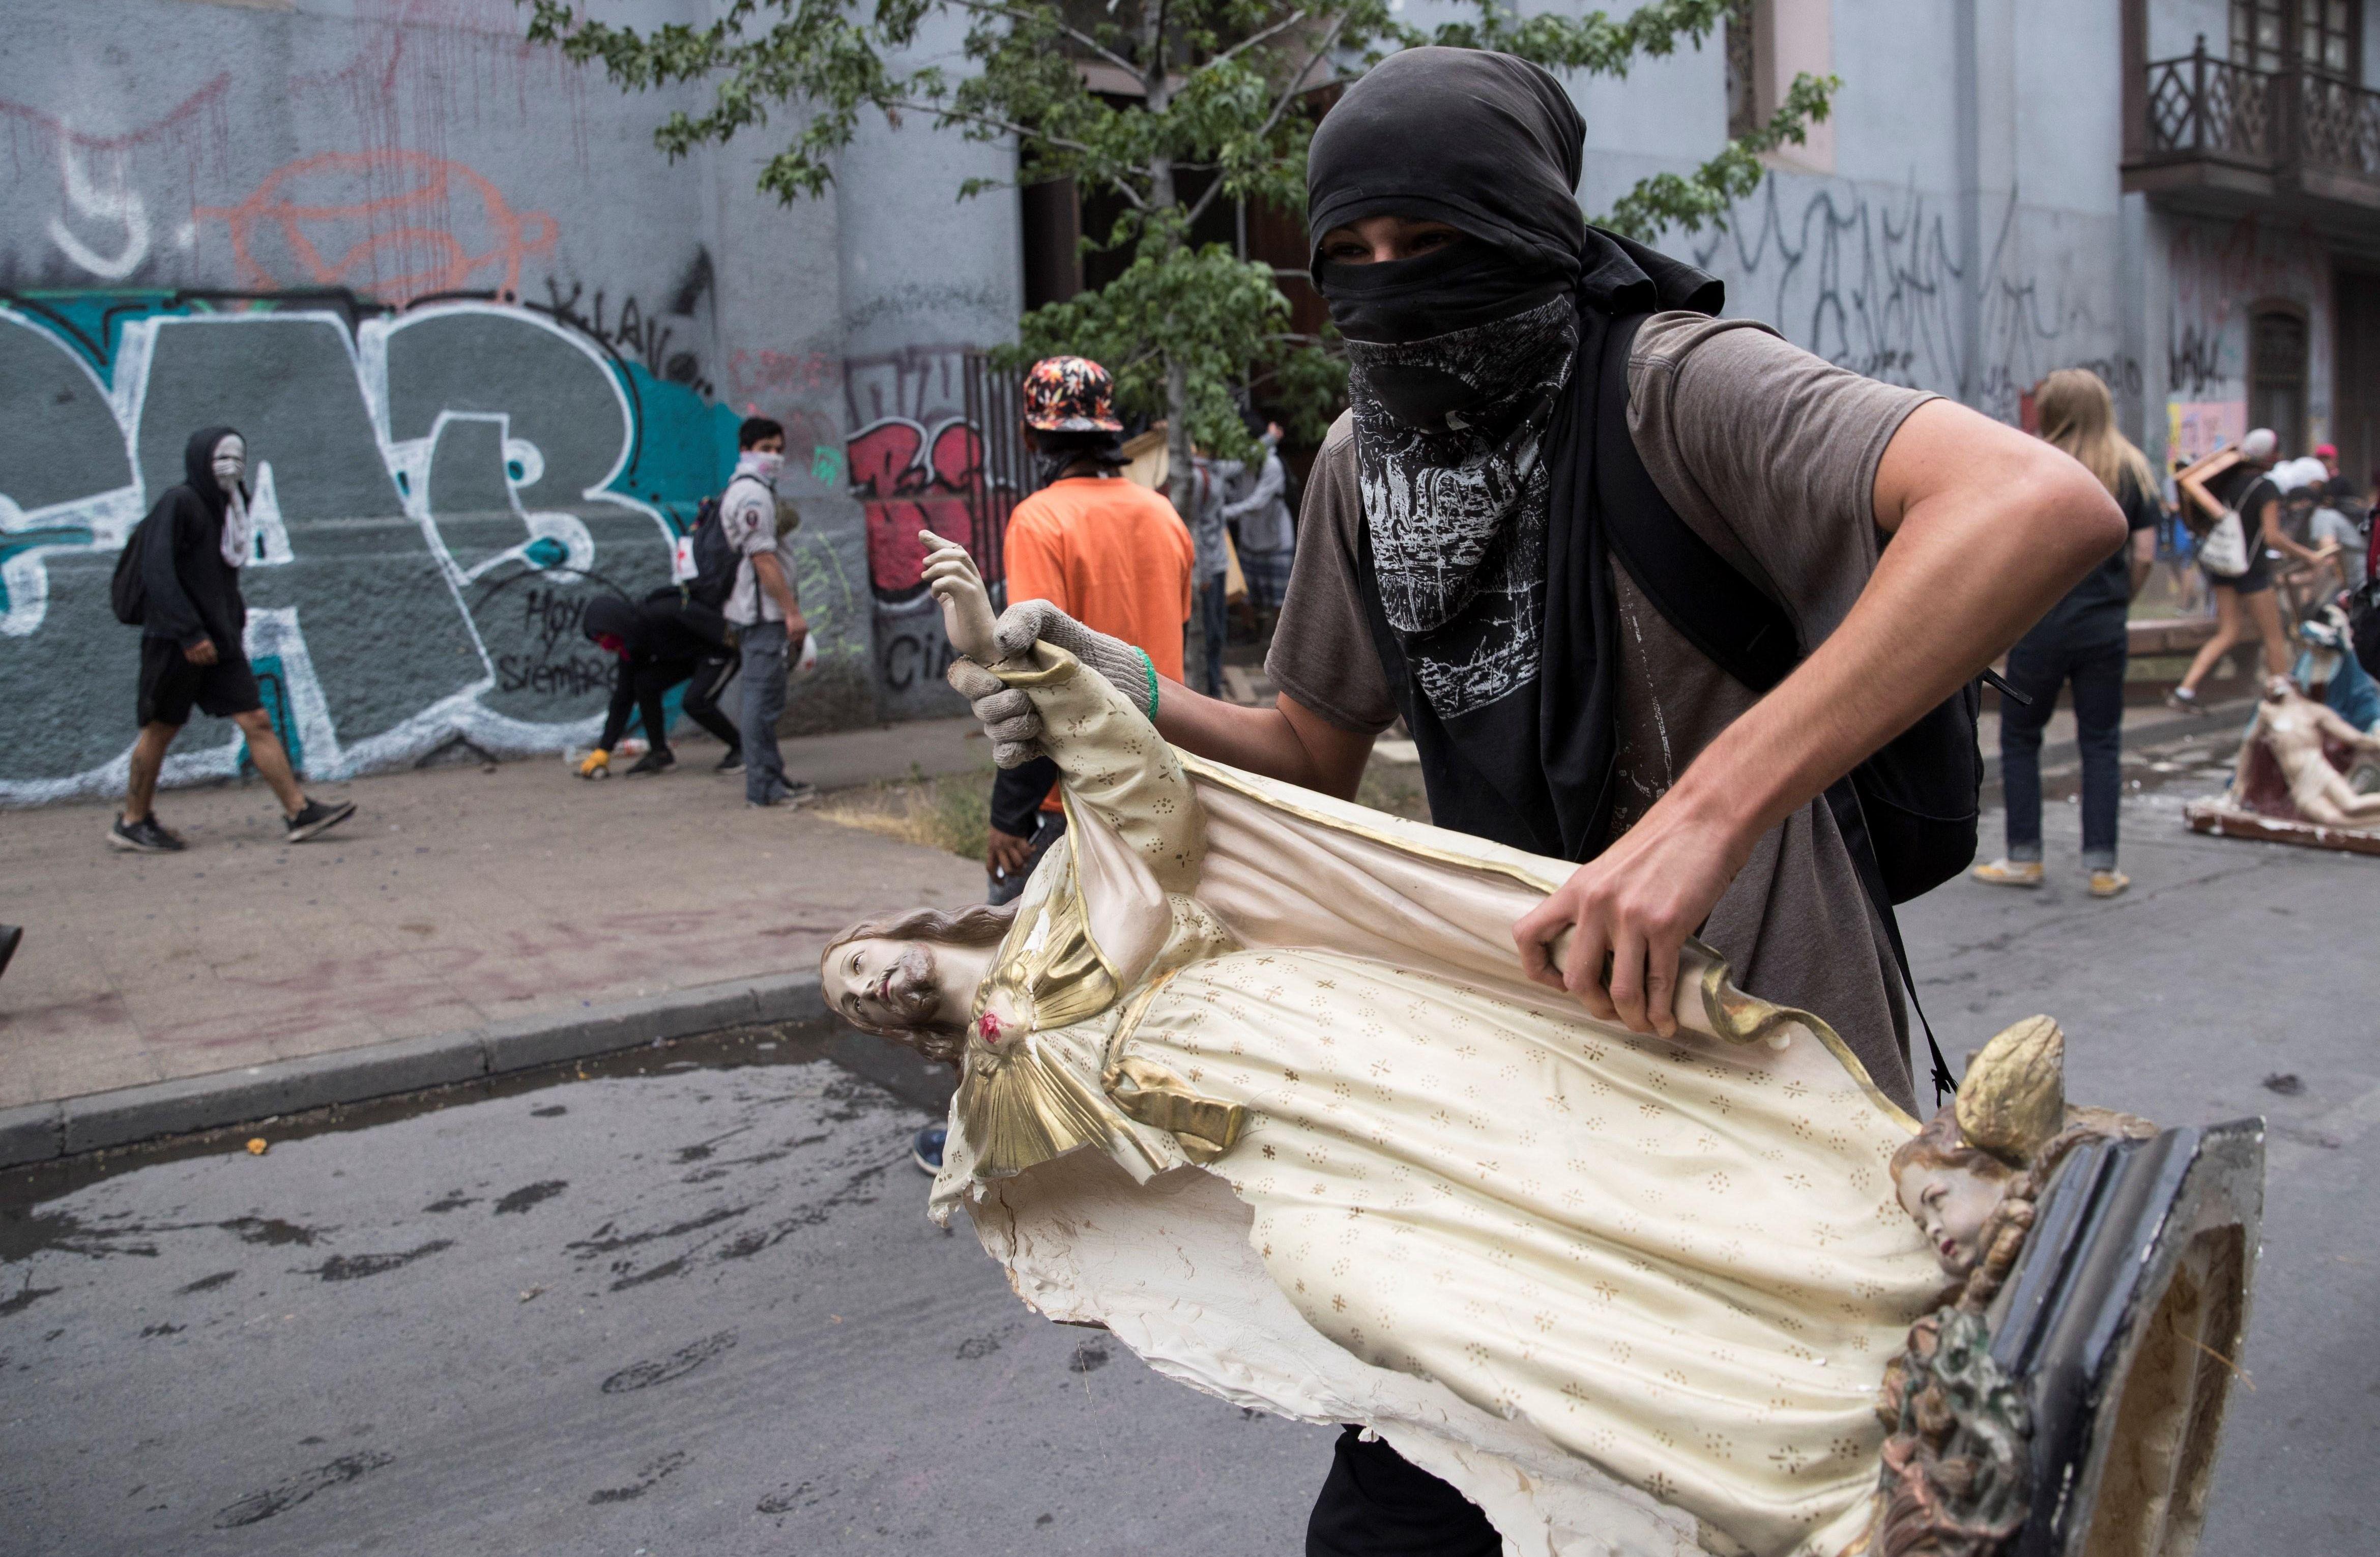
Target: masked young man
(1454, 568)
(192, 655)
(763, 607)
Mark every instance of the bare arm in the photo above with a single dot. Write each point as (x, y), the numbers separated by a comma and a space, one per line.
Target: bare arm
(2268, 529)
(2339, 729)
(771, 576)
(1990, 527)
(1287, 741)
(2191, 482)
(2144, 558)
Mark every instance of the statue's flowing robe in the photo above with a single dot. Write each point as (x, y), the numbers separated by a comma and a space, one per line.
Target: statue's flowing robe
(1256, 1083)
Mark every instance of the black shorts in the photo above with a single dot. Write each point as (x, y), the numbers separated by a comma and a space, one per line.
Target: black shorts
(171, 685)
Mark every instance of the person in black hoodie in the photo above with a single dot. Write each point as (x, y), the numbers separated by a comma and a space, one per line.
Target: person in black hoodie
(194, 543)
(660, 642)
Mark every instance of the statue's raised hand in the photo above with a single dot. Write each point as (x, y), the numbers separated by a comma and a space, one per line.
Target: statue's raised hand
(967, 618)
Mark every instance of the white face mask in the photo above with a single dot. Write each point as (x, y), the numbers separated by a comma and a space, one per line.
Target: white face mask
(230, 464)
(765, 465)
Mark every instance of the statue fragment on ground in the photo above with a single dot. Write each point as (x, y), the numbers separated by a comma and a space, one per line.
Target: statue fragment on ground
(2291, 782)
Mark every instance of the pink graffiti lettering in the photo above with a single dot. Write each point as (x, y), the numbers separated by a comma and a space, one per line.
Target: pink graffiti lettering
(907, 479)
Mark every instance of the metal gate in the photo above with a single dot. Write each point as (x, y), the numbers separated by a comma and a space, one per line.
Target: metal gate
(1003, 465)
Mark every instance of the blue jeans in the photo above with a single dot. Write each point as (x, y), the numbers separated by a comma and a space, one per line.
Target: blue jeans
(764, 649)
(2096, 672)
(1213, 622)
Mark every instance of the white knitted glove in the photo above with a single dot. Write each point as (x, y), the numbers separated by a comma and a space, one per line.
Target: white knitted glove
(1007, 715)
(1126, 668)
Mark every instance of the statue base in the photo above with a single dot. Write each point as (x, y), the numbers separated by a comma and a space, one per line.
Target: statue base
(2217, 818)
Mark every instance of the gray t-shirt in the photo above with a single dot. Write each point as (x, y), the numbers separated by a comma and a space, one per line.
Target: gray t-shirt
(1769, 455)
(754, 521)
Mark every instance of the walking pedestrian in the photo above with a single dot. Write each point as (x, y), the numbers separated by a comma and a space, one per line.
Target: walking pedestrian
(763, 608)
(2082, 642)
(1457, 523)
(1267, 532)
(659, 642)
(2247, 598)
(193, 627)
(1210, 489)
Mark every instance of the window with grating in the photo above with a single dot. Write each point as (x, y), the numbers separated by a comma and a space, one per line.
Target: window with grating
(2330, 41)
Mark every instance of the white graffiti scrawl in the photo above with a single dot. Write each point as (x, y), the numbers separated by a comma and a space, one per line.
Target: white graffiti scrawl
(436, 492)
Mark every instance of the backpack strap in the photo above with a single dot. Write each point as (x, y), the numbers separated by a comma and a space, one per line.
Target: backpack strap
(1730, 620)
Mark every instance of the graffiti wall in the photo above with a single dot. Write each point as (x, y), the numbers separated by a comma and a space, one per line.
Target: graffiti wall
(1872, 278)
(438, 490)
(914, 463)
(489, 346)
(2216, 276)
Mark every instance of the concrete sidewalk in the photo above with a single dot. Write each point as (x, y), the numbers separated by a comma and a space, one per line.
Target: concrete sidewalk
(465, 918)
(467, 922)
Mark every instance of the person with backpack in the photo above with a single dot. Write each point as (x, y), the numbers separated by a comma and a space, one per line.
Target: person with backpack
(762, 606)
(1647, 586)
(179, 581)
(2083, 641)
(2235, 481)
(660, 641)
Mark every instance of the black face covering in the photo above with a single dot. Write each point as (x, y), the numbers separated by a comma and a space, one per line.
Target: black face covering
(1471, 374)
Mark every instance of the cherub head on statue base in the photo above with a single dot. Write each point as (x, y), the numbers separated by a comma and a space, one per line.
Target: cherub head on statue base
(1971, 1177)
(1956, 1477)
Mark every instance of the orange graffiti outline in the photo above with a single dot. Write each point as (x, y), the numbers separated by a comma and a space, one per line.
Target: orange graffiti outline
(518, 234)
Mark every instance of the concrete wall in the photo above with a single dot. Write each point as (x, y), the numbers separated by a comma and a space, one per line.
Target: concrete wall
(489, 347)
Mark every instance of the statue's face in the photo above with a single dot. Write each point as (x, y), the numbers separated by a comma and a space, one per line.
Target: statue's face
(880, 983)
(1952, 1204)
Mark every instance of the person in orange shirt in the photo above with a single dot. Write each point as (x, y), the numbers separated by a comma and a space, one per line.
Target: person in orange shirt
(1105, 551)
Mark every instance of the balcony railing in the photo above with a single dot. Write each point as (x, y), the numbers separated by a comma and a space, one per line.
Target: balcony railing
(2288, 124)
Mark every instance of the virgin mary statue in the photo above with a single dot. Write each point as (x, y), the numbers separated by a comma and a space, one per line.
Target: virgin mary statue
(1252, 1078)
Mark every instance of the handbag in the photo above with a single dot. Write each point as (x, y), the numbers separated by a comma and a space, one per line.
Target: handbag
(2224, 551)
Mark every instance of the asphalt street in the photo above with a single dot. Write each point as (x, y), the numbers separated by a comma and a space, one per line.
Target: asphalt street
(693, 1304)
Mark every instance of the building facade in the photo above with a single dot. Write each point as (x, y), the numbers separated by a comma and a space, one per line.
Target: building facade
(489, 346)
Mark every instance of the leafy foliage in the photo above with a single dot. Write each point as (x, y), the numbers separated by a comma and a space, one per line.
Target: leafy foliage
(1167, 105)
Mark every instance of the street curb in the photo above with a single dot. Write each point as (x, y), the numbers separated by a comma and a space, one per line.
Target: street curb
(71, 1126)
(2142, 733)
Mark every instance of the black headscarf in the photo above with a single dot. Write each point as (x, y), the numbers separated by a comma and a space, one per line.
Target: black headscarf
(1473, 380)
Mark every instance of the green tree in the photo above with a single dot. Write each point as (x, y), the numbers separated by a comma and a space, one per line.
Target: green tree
(1168, 106)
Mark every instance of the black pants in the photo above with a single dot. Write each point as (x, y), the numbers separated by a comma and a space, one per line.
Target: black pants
(645, 681)
(1377, 1504)
(2096, 672)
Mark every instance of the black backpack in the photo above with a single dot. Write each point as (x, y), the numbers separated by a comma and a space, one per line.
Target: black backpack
(714, 560)
(127, 591)
(1908, 814)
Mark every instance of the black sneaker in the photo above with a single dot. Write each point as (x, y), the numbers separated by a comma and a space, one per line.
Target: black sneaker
(654, 761)
(144, 836)
(10, 935)
(733, 762)
(318, 819)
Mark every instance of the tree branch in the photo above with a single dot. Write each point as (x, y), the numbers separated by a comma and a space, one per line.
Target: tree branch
(1252, 40)
(1014, 14)
(1289, 95)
